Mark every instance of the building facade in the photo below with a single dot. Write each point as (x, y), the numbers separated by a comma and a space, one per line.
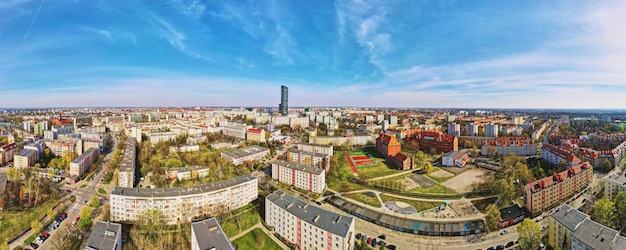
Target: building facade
(184, 204)
(309, 158)
(562, 223)
(569, 228)
(255, 134)
(556, 155)
(437, 141)
(455, 159)
(187, 173)
(126, 176)
(283, 108)
(491, 130)
(308, 226)
(81, 164)
(454, 129)
(309, 178)
(7, 152)
(613, 184)
(236, 130)
(388, 146)
(549, 191)
(316, 148)
(25, 158)
(508, 145)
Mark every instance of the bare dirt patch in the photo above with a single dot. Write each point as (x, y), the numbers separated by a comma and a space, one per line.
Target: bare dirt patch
(462, 183)
(441, 174)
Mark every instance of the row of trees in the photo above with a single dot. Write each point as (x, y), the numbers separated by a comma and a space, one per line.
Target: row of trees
(611, 213)
(35, 189)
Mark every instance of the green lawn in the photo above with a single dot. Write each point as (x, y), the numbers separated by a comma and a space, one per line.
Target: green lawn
(419, 205)
(352, 186)
(256, 239)
(356, 153)
(14, 223)
(438, 179)
(240, 222)
(372, 201)
(100, 190)
(83, 186)
(434, 189)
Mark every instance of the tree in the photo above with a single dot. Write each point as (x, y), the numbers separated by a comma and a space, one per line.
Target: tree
(4, 245)
(344, 187)
(604, 212)
(505, 189)
(36, 226)
(620, 207)
(86, 212)
(51, 214)
(428, 168)
(493, 217)
(94, 201)
(468, 144)
(529, 233)
(14, 174)
(606, 165)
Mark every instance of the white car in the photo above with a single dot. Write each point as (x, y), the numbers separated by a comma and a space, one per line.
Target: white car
(538, 219)
(39, 240)
(505, 231)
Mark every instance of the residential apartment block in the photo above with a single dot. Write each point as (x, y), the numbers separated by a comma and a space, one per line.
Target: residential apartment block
(249, 153)
(509, 145)
(437, 141)
(309, 158)
(81, 164)
(256, 134)
(187, 173)
(454, 129)
(156, 137)
(184, 204)
(305, 177)
(340, 140)
(491, 130)
(556, 155)
(126, 176)
(7, 152)
(208, 234)
(62, 147)
(569, 228)
(25, 158)
(316, 148)
(105, 236)
(236, 130)
(308, 226)
(613, 184)
(455, 159)
(549, 191)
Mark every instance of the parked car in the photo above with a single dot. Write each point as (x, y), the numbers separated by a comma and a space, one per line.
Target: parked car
(500, 247)
(382, 237)
(510, 244)
(34, 245)
(491, 248)
(382, 243)
(358, 236)
(391, 247)
(505, 231)
(374, 242)
(76, 220)
(538, 219)
(543, 228)
(369, 240)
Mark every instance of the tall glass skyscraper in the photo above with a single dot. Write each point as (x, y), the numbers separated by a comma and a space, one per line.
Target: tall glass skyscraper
(283, 107)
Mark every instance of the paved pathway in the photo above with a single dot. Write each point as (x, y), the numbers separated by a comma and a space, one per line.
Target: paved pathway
(270, 234)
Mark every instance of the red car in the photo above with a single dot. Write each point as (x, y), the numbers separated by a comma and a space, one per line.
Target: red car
(369, 240)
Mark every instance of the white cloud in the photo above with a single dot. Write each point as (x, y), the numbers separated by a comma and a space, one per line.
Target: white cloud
(192, 9)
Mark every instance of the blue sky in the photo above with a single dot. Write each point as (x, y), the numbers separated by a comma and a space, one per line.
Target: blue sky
(465, 54)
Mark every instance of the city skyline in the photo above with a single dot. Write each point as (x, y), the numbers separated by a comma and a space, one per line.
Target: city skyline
(527, 54)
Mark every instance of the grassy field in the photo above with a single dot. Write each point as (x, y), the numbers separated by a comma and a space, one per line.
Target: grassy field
(481, 205)
(256, 239)
(419, 205)
(434, 189)
(14, 223)
(240, 222)
(381, 169)
(101, 191)
(438, 179)
(372, 201)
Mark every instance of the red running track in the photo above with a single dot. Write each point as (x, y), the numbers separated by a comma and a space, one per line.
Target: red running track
(351, 163)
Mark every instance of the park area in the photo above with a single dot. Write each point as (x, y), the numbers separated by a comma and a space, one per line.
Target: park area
(256, 239)
(368, 163)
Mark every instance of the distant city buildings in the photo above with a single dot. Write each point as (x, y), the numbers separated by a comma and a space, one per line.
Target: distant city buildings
(472, 129)
(491, 130)
(501, 146)
(435, 141)
(455, 159)
(308, 226)
(454, 129)
(316, 148)
(25, 158)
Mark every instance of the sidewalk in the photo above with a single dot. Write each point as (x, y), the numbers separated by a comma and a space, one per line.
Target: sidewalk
(259, 225)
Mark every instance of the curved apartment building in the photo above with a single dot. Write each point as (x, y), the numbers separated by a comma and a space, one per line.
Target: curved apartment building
(183, 204)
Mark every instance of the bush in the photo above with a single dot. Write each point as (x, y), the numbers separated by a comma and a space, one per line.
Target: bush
(100, 190)
(73, 198)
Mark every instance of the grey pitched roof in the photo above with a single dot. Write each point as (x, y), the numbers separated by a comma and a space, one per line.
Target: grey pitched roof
(209, 235)
(569, 216)
(168, 192)
(595, 235)
(314, 215)
(104, 235)
(303, 168)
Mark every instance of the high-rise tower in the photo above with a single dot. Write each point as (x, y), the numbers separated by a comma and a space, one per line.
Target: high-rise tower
(283, 108)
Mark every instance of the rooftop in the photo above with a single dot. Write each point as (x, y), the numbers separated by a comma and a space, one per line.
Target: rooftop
(568, 216)
(296, 151)
(104, 235)
(326, 220)
(617, 178)
(292, 165)
(595, 235)
(84, 155)
(209, 235)
(244, 152)
(171, 192)
(509, 212)
(26, 152)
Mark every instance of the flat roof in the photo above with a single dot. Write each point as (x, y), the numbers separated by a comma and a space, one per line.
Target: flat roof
(509, 212)
(173, 192)
(84, 155)
(297, 151)
(209, 235)
(324, 219)
(243, 152)
(104, 235)
(617, 178)
(26, 152)
(568, 216)
(188, 168)
(296, 166)
(595, 235)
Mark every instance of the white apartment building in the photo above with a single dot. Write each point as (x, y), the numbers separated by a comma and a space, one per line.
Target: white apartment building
(186, 173)
(280, 120)
(79, 166)
(301, 122)
(309, 158)
(156, 137)
(127, 166)
(182, 149)
(262, 119)
(7, 152)
(305, 177)
(491, 130)
(455, 159)
(25, 158)
(184, 204)
(472, 129)
(613, 184)
(454, 129)
(306, 225)
(236, 130)
(316, 148)
(249, 153)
